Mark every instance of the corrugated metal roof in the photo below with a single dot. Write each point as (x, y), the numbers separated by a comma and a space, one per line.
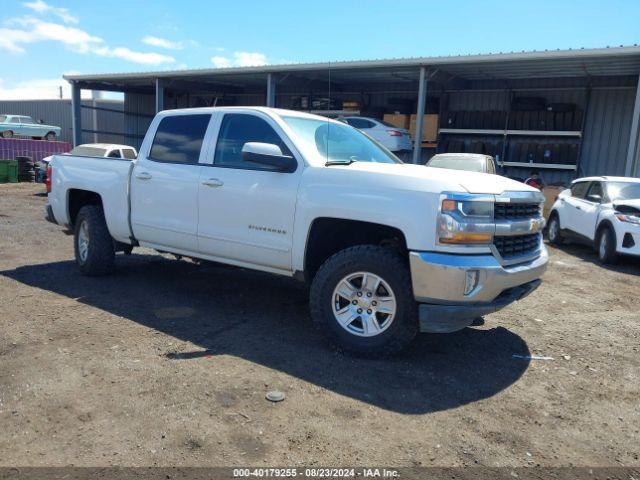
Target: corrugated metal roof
(623, 60)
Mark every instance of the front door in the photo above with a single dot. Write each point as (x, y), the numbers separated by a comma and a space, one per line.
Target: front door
(246, 211)
(573, 206)
(587, 213)
(164, 184)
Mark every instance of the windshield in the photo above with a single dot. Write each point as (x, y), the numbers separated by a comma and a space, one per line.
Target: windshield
(88, 151)
(337, 142)
(457, 163)
(623, 191)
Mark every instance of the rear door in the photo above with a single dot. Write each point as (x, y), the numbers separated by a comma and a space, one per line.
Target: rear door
(246, 211)
(164, 183)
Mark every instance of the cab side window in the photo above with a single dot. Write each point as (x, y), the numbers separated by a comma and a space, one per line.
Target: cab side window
(595, 193)
(579, 189)
(179, 139)
(238, 129)
(114, 154)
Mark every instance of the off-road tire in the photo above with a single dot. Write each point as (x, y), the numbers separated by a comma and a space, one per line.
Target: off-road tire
(384, 263)
(100, 257)
(607, 251)
(554, 233)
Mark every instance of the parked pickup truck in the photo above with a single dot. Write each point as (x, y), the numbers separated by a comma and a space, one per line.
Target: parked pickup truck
(389, 249)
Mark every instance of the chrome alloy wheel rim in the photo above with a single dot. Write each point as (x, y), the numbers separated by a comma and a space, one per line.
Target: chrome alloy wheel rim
(603, 245)
(364, 304)
(83, 242)
(553, 230)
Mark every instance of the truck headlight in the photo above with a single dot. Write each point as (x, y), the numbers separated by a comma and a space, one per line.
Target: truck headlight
(466, 221)
(623, 217)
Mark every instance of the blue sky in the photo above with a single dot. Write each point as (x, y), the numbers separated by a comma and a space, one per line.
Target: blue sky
(40, 40)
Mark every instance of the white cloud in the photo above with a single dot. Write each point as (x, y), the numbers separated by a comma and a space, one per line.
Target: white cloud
(249, 59)
(146, 58)
(162, 43)
(240, 59)
(220, 62)
(35, 30)
(37, 89)
(41, 7)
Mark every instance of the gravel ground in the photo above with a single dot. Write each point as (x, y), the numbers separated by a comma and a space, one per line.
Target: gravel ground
(167, 363)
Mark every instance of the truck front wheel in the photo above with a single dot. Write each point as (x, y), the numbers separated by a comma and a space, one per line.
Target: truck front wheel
(94, 247)
(362, 299)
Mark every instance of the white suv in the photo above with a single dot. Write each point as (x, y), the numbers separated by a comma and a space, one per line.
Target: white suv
(601, 211)
(392, 138)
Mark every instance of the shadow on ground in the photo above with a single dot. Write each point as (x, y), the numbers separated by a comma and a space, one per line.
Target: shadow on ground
(625, 264)
(264, 319)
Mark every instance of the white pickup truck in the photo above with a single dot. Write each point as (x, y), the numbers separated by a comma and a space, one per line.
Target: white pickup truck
(389, 249)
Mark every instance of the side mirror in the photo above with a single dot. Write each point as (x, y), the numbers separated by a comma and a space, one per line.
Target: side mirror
(40, 121)
(269, 155)
(594, 198)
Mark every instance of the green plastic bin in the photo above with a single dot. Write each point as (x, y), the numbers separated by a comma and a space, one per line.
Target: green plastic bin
(8, 171)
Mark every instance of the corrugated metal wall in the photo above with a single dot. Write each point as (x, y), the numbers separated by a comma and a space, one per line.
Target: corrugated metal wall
(606, 132)
(139, 110)
(58, 112)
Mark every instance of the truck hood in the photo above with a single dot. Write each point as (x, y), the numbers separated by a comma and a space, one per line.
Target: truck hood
(454, 180)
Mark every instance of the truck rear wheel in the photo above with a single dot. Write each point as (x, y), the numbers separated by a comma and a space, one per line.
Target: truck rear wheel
(362, 300)
(93, 245)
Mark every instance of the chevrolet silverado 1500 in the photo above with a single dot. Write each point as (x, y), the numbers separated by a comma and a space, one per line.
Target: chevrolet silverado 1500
(389, 249)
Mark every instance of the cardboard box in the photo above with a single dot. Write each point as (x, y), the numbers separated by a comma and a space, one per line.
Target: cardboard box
(429, 127)
(398, 120)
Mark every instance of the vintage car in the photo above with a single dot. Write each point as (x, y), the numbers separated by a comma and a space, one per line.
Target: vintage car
(14, 125)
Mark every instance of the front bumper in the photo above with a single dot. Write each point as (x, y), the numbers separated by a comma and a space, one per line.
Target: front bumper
(440, 281)
(628, 239)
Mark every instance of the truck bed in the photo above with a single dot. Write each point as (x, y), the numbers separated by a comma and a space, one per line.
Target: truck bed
(107, 177)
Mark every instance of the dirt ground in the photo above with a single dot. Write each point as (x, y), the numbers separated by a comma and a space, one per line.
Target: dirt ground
(167, 363)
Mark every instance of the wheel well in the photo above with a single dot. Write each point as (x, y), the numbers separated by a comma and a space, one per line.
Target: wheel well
(330, 235)
(603, 224)
(78, 199)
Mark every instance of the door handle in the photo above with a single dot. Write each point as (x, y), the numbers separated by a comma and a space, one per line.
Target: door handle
(213, 182)
(143, 175)
(579, 208)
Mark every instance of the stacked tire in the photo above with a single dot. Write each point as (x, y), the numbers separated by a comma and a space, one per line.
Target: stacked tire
(26, 170)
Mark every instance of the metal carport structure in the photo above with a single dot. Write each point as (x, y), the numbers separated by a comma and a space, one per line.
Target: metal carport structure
(605, 82)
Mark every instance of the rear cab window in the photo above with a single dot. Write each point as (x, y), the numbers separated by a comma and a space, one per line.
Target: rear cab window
(128, 153)
(179, 138)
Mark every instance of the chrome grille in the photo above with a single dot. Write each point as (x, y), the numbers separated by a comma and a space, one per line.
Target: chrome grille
(514, 246)
(516, 211)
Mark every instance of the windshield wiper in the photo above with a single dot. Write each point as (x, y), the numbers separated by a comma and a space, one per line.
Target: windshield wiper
(339, 162)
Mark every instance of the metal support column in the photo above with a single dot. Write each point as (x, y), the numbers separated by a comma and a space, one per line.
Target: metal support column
(76, 113)
(631, 165)
(95, 96)
(422, 100)
(271, 90)
(159, 95)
